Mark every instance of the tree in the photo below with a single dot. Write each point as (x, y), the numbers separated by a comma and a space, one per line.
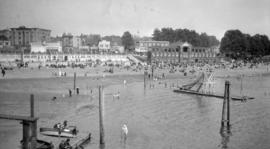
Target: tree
(234, 44)
(157, 34)
(113, 39)
(191, 36)
(237, 45)
(127, 41)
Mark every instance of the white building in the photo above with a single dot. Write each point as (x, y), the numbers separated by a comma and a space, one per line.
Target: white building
(38, 47)
(104, 45)
(53, 47)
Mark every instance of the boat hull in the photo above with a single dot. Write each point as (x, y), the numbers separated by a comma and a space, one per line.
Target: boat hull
(67, 132)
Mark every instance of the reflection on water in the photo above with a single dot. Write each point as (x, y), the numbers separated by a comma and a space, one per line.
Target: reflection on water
(225, 139)
(156, 117)
(102, 146)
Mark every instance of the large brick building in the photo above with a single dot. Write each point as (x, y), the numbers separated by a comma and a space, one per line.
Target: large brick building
(182, 53)
(23, 36)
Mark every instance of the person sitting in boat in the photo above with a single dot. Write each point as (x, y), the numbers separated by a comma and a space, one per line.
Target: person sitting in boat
(58, 125)
(74, 131)
(65, 123)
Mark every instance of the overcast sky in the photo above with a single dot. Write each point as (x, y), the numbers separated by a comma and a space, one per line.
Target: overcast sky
(141, 17)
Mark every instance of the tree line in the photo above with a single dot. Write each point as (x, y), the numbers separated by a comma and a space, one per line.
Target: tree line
(191, 36)
(238, 45)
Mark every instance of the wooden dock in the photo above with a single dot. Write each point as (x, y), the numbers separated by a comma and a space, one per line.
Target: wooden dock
(82, 141)
(239, 98)
(18, 118)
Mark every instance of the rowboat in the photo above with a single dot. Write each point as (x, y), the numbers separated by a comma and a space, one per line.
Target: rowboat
(68, 132)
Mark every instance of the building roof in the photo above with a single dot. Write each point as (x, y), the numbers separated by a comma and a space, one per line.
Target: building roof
(26, 28)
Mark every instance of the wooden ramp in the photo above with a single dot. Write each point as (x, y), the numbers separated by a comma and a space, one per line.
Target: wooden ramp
(239, 98)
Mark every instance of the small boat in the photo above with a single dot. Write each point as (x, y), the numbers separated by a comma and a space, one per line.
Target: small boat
(68, 132)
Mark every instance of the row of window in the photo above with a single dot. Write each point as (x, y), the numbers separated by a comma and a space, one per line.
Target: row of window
(105, 46)
(153, 44)
(184, 50)
(183, 55)
(62, 56)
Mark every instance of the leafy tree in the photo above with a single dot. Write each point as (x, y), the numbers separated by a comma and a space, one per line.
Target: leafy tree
(191, 36)
(157, 34)
(90, 40)
(237, 45)
(234, 44)
(127, 41)
(113, 39)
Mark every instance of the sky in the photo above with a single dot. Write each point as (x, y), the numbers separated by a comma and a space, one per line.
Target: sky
(139, 17)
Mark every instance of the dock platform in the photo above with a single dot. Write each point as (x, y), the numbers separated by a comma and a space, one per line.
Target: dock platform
(238, 98)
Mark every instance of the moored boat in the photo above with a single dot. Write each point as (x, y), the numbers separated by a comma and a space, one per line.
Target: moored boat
(69, 131)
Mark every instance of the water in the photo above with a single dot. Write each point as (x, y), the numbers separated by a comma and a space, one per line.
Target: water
(156, 118)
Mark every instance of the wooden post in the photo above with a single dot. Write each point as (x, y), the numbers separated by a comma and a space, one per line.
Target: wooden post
(226, 108)
(32, 105)
(223, 108)
(74, 84)
(26, 135)
(33, 125)
(228, 104)
(101, 114)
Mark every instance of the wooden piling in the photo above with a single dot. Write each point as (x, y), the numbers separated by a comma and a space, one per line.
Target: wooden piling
(101, 114)
(223, 108)
(32, 105)
(33, 125)
(227, 85)
(74, 83)
(225, 120)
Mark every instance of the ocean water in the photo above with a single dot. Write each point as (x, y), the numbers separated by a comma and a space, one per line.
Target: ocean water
(157, 118)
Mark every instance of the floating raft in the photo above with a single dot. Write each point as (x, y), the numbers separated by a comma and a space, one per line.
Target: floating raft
(243, 98)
